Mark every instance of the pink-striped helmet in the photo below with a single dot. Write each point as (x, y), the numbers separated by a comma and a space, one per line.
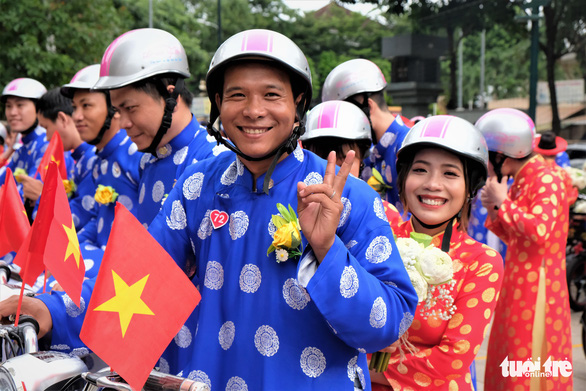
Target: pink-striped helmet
(24, 88)
(352, 77)
(258, 44)
(84, 79)
(337, 118)
(508, 131)
(140, 54)
(453, 134)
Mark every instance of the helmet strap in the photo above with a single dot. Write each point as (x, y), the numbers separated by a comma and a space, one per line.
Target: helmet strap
(107, 122)
(447, 233)
(30, 130)
(496, 164)
(286, 146)
(365, 109)
(170, 104)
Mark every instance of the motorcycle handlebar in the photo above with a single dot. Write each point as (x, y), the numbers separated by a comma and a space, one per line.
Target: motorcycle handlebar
(30, 331)
(156, 382)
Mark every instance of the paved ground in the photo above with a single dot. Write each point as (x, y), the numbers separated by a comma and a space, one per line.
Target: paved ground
(579, 359)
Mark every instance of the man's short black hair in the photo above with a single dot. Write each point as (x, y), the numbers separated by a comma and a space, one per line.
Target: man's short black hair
(149, 86)
(52, 102)
(322, 146)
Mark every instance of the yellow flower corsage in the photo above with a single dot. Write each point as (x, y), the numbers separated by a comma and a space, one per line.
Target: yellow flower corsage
(377, 182)
(70, 187)
(287, 238)
(105, 194)
(18, 172)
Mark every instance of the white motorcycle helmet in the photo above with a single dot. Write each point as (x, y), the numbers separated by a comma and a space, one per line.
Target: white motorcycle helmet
(140, 54)
(84, 79)
(265, 45)
(459, 137)
(453, 134)
(145, 54)
(508, 131)
(23, 88)
(337, 118)
(352, 77)
(258, 44)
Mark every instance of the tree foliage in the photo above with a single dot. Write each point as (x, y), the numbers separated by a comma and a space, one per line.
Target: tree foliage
(565, 32)
(334, 35)
(51, 40)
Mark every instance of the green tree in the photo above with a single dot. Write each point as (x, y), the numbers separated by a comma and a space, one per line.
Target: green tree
(334, 35)
(565, 32)
(51, 40)
(456, 18)
(179, 18)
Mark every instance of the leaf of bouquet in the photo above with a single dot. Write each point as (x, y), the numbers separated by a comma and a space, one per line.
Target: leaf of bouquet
(421, 238)
(283, 211)
(278, 221)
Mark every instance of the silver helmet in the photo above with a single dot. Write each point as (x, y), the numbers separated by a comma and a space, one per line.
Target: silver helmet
(453, 134)
(139, 54)
(277, 49)
(352, 77)
(508, 131)
(84, 79)
(24, 88)
(259, 44)
(337, 118)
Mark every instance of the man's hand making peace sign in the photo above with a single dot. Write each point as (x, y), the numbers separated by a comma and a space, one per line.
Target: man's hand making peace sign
(320, 206)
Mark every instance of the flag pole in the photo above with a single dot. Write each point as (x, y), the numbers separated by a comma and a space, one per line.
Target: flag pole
(19, 305)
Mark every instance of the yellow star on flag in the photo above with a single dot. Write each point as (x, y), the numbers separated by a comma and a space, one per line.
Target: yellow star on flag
(126, 301)
(52, 160)
(73, 244)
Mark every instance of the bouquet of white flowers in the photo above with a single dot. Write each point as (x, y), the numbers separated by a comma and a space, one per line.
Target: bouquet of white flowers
(579, 206)
(431, 272)
(578, 177)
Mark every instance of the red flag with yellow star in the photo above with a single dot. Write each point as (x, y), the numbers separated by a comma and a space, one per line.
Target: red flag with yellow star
(14, 224)
(54, 153)
(140, 301)
(52, 242)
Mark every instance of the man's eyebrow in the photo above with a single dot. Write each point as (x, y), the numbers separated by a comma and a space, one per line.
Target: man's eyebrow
(268, 86)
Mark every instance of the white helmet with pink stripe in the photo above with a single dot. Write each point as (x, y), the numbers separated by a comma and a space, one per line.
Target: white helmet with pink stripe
(23, 88)
(352, 77)
(140, 54)
(453, 134)
(337, 118)
(508, 131)
(259, 44)
(84, 79)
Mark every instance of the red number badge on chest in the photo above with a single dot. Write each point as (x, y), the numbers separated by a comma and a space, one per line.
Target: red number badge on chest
(219, 219)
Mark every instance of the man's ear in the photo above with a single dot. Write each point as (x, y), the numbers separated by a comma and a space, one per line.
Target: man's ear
(298, 99)
(63, 118)
(170, 89)
(372, 105)
(218, 101)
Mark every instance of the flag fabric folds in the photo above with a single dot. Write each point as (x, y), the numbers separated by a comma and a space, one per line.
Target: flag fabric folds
(140, 301)
(14, 225)
(53, 153)
(52, 242)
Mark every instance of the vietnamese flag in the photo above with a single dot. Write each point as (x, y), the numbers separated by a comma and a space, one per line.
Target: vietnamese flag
(52, 242)
(14, 224)
(54, 153)
(134, 313)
